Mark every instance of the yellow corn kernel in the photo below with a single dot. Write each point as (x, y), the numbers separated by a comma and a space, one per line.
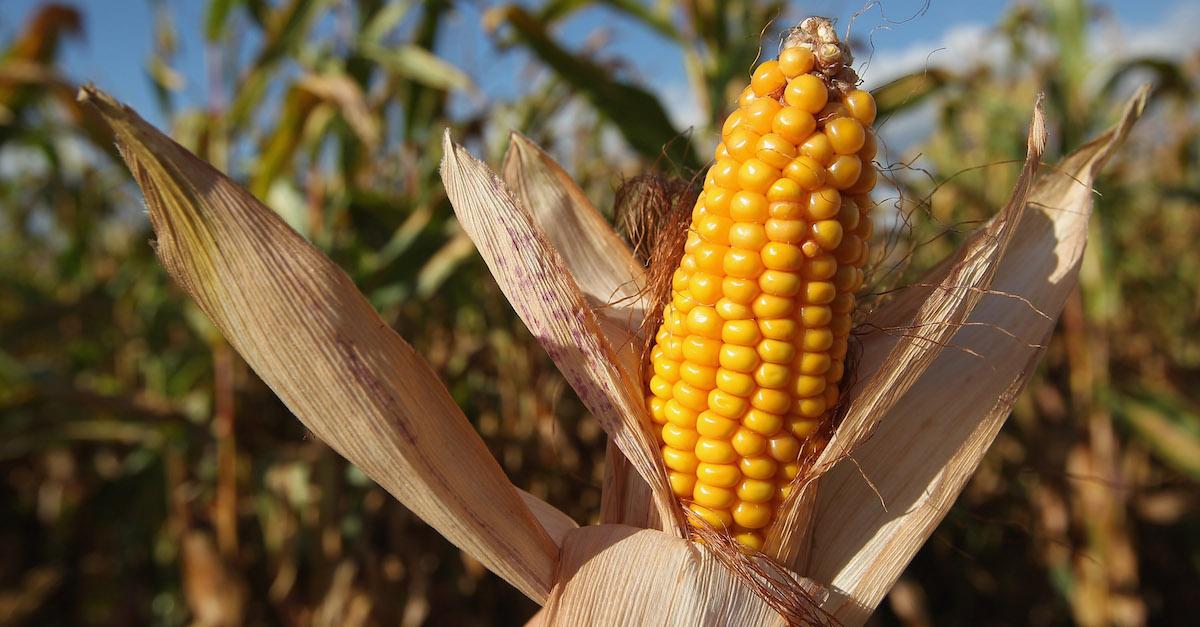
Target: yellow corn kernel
(739, 290)
(776, 352)
(775, 151)
(795, 61)
(784, 257)
(786, 190)
(657, 408)
(718, 518)
(716, 200)
(710, 257)
(756, 176)
(794, 124)
(774, 376)
(860, 103)
(771, 401)
(752, 515)
(714, 228)
(714, 451)
(737, 358)
(819, 293)
(785, 230)
(806, 92)
(726, 404)
(827, 233)
(713, 425)
(743, 264)
(713, 497)
(719, 475)
(818, 147)
(705, 288)
(846, 135)
(762, 467)
(740, 332)
(735, 383)
(768, 306)
(762, 422)
(755, 490)
(767, 78)
(778, 328)
(724, 173)
(801, 427)
(750, 540)
(679, 460)
(699, 377)
(786, 210)
(808, 385)
(759, 114)
(702, 351)
(806, 172)
(813, 363)
(783, 447)
(689, 396)
(844, 171)
(730, 310)
(678, 415)
(824, 204)
(779, 283)
(748, 443)
(678, 437)
(703, 321)
(750, 236)
(682, 483)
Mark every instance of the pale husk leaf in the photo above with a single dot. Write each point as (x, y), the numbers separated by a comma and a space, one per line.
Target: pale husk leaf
(553, 520)
(538, 284)
(921, 453)
(603, 266)
(886, 372)
(608, 275)
(304, 328)
(619, 575)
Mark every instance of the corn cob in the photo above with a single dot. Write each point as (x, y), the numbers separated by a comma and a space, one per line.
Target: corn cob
(752, 347)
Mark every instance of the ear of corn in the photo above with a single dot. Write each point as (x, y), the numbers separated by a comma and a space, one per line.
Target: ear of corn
(751, 351)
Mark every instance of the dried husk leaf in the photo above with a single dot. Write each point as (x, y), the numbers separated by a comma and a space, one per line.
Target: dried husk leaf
(609, 276)
(300, 323)
(885, 373)
(603, 266)
(553, 520)
(539, 285)
(923, 450)
(619, 575)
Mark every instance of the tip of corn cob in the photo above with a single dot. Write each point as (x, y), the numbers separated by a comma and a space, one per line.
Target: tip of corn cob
(752, 347)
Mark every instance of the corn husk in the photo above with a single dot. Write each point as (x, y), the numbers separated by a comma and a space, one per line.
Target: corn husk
(609, 277)
(891, 473)
(537, 282)
(304, 328)
(621, 575)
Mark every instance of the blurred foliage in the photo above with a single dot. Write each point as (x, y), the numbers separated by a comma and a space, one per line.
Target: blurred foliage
(149, 477)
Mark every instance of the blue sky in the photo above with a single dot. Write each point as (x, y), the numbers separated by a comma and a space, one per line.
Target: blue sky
(119, 38)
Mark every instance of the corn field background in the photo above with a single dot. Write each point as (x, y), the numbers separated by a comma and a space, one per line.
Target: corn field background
(148, 477)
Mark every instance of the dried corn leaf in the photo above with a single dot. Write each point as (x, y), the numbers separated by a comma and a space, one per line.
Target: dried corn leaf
(305, 329)
(619, 575)
(539, 285)
(924, 449)
(608, 275)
